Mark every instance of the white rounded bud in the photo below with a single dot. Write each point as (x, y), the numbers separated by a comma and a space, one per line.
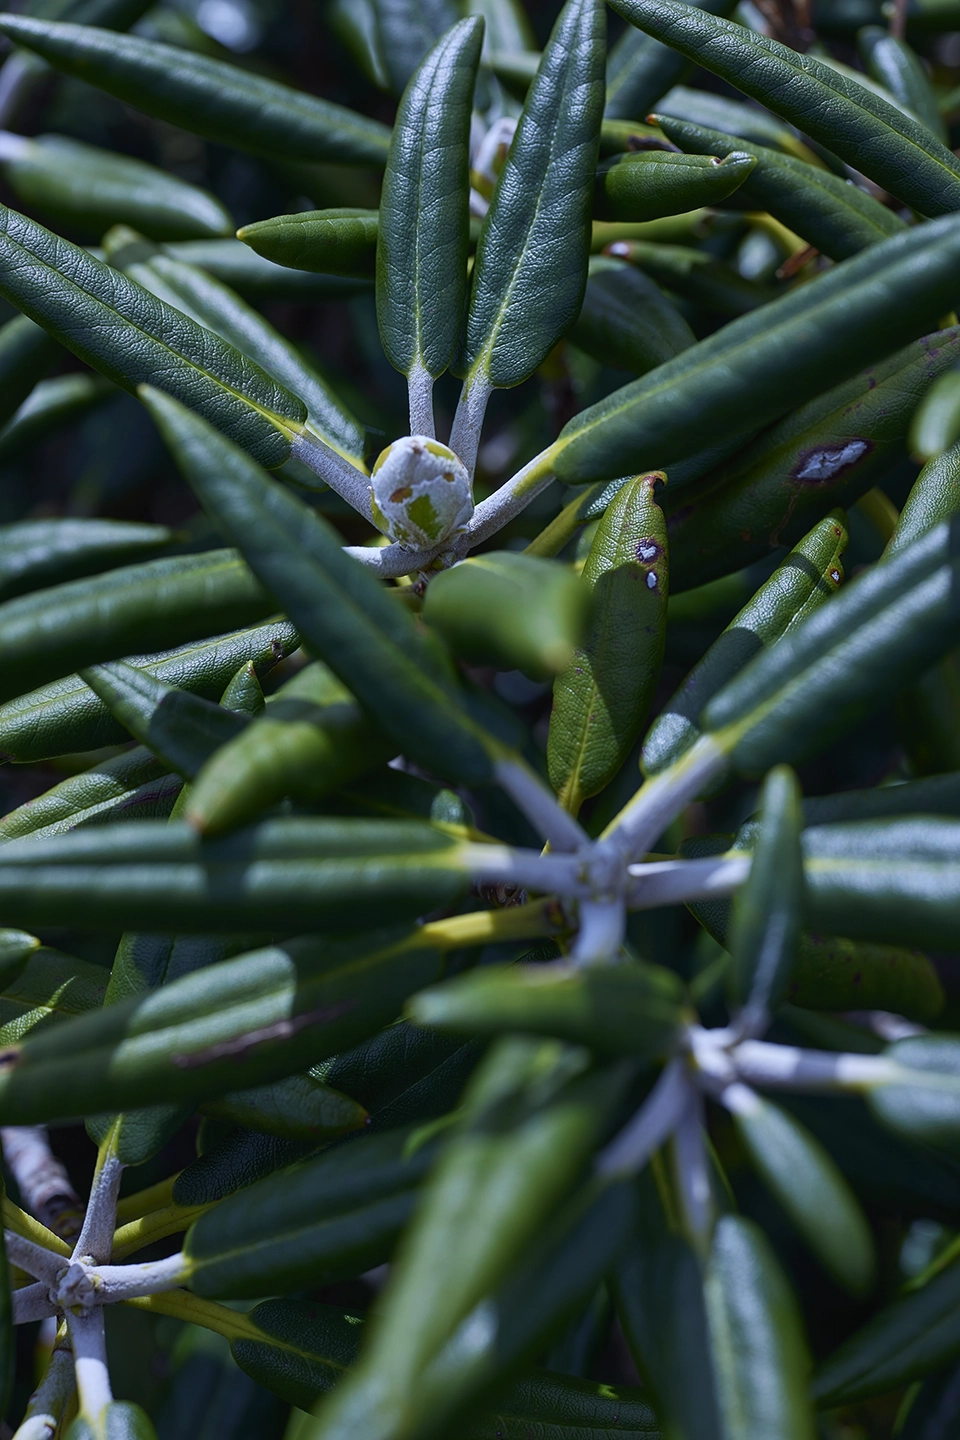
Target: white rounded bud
(420, 492)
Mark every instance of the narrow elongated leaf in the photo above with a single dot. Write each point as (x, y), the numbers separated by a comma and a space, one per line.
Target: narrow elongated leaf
(181, 729)
(50, 988)
(407, 29)
(600, 701)
(121, 330)
(236, 1159)
(206, 96)
(89, 189)
(830, 213)
(27, 353)
(656, 183)
(531, 264)
(935, 496)
(892, 62)
(364, 636)
(825, 453)
(35, 553)
(922, 1103)
(640, 70)
(66, 716)
(623, 1009)
(512, 611)
(811, 1189)
(782, 355)
(808, 577)
(329, 242)
(424, 208)
(733, 117)
(906, 1341)
(258, 278)
(215, 306)
(313, 738)
(626, 321)
(758, 1345)
(298, 1108)
(769, 907)
(241, 1023)
(695, 275)
(49, 407)
(898, 153)
(121, 1420)
(158, 603)
(327, 1219)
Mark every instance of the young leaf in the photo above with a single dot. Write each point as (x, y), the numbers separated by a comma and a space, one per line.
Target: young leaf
(206, 96)
(424, 212)
(935, 496)
(656, 183)
(329, 242)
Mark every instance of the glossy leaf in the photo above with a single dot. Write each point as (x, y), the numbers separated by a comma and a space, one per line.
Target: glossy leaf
(936, 425)
(256, 277)
(923, 1109)
(89, 189)
(626, 321)
(531, 263)
(27, 354)
(694, 275)
(328, 242)
(50, 988)
(206, 96)
(657, 182)
(407, 29)
(898, 153)
(641, 70)
(893, 63)
(935, 496)
(512, 611)
(601, 699)
(66, 716)
(37, 553)
(50, 406)
(424, 208)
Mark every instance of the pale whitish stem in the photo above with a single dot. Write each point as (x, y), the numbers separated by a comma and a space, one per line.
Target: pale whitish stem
(884, 1024)
(468, 422)
(602, 925)
(349, 482)
(42, 1180)
(653, 1123)
(674, 882)
(420, 391)
(12, 147)
(125, 1282)
(391, 562)
(34, 1259)
(32, 1303)
(785, 1066)
(539, 804)
(48, 1401)
(509, 501)
(692, 1168)
(90, 1365)
(661, 799)
(526, 869)
(96, 1238)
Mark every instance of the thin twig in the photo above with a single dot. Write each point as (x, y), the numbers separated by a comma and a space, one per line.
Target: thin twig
(674, 882)
(34, 1259)
(348, 482)
(95, 1241)
(468, 422)
(89, 1343)
(420, 392)
(602, 925)
(660, 800)
(539, 804)
(509, 501)
(654, 1122)
(32, 1302)
(125, 1282)
(42, 1179)
(47, 1403)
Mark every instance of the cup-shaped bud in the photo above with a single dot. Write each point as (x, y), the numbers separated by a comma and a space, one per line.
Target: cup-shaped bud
(420, 492)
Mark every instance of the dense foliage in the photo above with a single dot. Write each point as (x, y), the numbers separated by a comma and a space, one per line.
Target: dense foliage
(480, 861)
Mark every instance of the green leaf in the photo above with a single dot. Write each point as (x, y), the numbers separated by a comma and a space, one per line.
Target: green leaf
(115, 326)
(531, 264)
(694, 275)
(50, 406)
(407, 29)
(508, 610)
(893, 63)
(935, 496)
(923, 1110)
(37, 553)
(601, 700)
(809, 1186)
(121, 1420)
(213, 305)
(283, 875)
(237, 1159)
(807, 578)
(181, 729)
(641, 70)
(50, 988)
(768, 907)
(827, 452)
(899, 153)
(618, 1010)
(297, 1108)
(325, 1220)
(257, 278)
(424, 223)
(312, 739)
(655, 183)
(237, 1024)
(27, 353)
(828, 212)
(936, 424)
(907, 1340)
(205, 96)
(328, 242)
(781, 355)
(66, 716)
(158, 603)
(747, 122)
(88, 189)
(626, 321)
(347, 617)
(760, 1356)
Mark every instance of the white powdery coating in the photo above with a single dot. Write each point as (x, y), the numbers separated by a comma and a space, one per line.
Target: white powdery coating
(420, 492)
